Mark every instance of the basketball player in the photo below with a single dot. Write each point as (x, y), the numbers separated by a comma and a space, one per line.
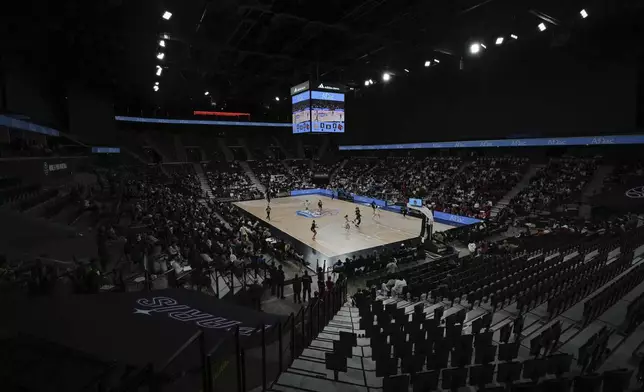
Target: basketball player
(314, 227)
(358, 218)
(373, 207)
(268, 212)
(347, 226)
(320, 205)
(306, 205)
(376, 213)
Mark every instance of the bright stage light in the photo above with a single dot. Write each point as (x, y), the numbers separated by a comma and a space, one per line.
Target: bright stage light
(206, 93)
(160, 55)
(165, 36)
(277, 99)
(428, 63)
(514, 36)
(159, 70)
(156, 88)
(499, 41)
(366, 82)
(542, 26)
(167, 15)
(370, 81)
(386, 76)
(162, 43)
(583, 14)
(406, 70)
(475, 48)
(437, 61)
(156, 83)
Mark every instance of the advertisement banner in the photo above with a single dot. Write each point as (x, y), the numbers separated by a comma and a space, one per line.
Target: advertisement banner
(536, 142)
(439, 216)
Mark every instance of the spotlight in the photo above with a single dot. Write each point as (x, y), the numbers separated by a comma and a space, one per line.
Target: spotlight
(156, 88)
(159, 70)
(583, 14)
(514, 36)
(165, 36)
(206, 93)
(160, 55)
(542, 27)
(475, 48)
(386, 76)
(406, 70)
(162, 43)
(366, 83)
(428, 63)
(277, 99)
(483, 46)
(167, 15)
(437, 61)
(371, 81)
(499, 41)
(156, 83)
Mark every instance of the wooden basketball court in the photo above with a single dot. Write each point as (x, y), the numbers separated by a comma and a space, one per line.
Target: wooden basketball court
(333, 239)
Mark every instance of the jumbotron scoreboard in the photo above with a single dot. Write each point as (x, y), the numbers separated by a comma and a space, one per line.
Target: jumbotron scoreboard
(318, 107)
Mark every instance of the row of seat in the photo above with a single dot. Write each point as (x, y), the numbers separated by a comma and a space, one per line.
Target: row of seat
(595, 306)
(496, 278)
(19, 193)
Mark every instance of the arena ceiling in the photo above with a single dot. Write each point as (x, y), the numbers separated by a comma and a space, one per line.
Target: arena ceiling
(249, 51)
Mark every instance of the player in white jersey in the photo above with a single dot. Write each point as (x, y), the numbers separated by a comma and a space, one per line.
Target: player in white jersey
(376, 212)
(306, 205)
(347, 226)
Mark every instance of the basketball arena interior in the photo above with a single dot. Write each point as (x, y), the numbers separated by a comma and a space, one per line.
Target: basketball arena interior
(310, 196)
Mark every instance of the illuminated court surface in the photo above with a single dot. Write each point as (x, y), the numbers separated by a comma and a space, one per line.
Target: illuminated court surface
(332, 238)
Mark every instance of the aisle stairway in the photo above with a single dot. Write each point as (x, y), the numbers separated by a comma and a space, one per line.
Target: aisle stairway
(251, 175)
(525, 181)
(279, 144)
(596, 184)
(244, 146)
(180, 150)
(286, 166)
(337, 169)
(203, 180)
(593, 187)
(228, 154)
(326, 141)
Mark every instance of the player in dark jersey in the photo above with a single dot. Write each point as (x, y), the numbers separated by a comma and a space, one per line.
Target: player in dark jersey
(314, 227)
(268, 212)
(358, 218)
(373, 207)
(320, 205)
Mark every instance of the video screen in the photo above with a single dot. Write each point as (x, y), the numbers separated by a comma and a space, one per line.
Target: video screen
(301, 107)
(416, 202)
(327, 112)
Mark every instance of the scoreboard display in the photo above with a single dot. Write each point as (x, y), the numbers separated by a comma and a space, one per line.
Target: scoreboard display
(301, 112)
(318, 108)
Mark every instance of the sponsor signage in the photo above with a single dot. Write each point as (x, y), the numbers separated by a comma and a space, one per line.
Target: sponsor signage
(324, 86)
(300, 88)
(53, 168)
(106, 150)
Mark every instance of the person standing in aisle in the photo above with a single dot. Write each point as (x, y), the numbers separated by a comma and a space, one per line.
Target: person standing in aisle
(306, 284)
(297, 289)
